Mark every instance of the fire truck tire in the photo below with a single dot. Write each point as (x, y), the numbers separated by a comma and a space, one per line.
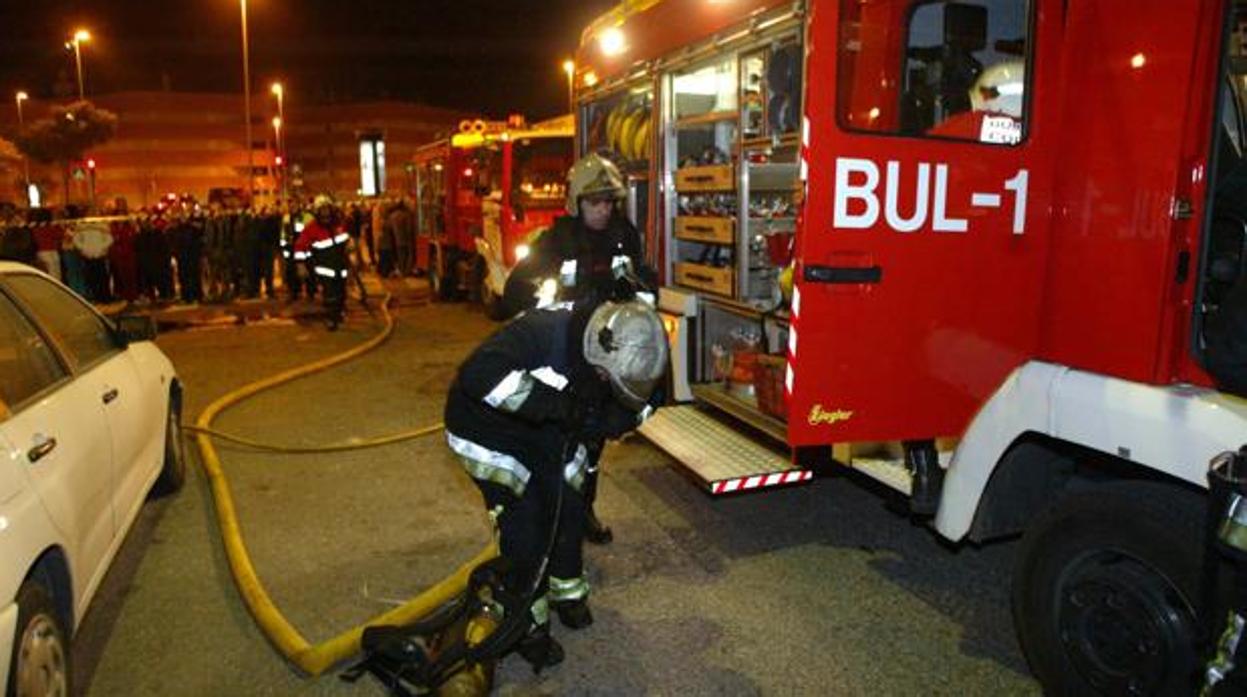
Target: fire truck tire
(1104, 590)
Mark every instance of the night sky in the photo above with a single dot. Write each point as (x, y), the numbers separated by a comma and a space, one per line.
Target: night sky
(495, 57)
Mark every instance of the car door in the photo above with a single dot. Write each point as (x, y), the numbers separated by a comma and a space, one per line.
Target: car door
(111, 378)
(56, 431)
(921, 252)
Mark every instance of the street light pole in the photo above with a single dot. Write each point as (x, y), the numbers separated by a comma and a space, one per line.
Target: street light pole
(246, 95)
(21, 126)
(569, 67)
(80, 36)
(279, 160)
(280, 91)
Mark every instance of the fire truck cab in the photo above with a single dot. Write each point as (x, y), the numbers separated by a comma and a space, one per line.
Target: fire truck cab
(1011, 226)
(483, 194)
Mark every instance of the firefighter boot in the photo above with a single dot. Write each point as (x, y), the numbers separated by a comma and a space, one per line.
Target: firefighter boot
(928, 477)
(540, 649)
(595, 531)
(574, 614)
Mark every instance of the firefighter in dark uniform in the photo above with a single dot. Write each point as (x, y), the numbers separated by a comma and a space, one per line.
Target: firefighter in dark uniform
(584, 255)
(291, 226)
(519, 414)
(327, 244)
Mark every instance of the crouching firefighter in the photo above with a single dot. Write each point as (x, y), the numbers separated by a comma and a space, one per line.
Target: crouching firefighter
(518, 415)
(326, 242)
(584, 256)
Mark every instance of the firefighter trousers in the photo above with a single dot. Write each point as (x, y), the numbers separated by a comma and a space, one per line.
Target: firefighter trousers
(524, 530)
(334, 297)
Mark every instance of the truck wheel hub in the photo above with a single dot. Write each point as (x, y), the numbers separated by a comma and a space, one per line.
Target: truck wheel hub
(1124, 626)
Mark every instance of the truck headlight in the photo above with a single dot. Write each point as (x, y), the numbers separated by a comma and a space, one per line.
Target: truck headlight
(521, 252)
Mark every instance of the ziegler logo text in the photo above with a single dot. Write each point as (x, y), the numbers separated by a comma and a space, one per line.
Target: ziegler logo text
(830, 418)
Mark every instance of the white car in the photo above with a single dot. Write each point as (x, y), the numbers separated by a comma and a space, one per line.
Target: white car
(89, 423)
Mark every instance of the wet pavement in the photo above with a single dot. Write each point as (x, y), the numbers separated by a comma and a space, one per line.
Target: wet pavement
(818, 589)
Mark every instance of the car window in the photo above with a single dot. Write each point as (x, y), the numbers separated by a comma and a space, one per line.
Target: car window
(71, 322)
(27, 364)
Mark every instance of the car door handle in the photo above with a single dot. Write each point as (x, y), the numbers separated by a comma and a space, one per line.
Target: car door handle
(110, 395)
(41, 450)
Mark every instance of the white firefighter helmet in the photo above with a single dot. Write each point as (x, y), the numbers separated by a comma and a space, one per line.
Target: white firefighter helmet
(322, 200)
(999, 89)
(593, 174)
(627, 340)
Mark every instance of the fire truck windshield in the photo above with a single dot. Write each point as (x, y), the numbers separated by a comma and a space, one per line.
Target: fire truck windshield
(541, 166)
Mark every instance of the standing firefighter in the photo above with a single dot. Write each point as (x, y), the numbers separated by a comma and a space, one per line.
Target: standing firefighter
(519, 415)
(584, 255)
(327, 244)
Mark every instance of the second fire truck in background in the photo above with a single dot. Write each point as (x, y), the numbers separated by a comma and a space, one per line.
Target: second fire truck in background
(481, 194)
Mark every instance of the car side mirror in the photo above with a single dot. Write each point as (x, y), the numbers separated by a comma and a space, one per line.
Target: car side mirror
(135, 328)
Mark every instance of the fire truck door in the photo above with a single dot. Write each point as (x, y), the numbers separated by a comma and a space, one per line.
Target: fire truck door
(920, 259)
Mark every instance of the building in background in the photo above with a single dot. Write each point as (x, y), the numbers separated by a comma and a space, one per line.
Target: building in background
(192, 143)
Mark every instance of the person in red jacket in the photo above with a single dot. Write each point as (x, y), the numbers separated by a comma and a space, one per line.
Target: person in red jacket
(122, 258)
(326, 242)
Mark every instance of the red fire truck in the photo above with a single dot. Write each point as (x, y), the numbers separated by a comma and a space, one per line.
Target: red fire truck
(481, 194)
(1000, 219)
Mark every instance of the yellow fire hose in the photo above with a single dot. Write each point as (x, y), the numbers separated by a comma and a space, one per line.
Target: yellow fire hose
(312, 659)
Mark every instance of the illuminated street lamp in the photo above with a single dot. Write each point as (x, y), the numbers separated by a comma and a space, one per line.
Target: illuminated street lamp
(75, 42)
(21, 126)
(569, 67)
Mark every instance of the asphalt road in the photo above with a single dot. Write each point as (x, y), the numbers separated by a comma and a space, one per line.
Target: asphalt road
(815, 590)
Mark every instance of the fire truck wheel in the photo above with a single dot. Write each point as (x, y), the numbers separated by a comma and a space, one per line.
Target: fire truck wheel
(1104, 589)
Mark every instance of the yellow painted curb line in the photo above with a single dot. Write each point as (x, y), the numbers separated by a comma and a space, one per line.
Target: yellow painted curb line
(312, 659)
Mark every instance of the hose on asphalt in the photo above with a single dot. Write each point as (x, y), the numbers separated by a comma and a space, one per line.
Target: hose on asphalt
(312, 659)
(354, 444)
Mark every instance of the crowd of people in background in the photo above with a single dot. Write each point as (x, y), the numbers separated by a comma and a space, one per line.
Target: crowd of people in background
(185, 252)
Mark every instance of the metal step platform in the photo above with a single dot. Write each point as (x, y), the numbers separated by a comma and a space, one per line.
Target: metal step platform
(721, 456)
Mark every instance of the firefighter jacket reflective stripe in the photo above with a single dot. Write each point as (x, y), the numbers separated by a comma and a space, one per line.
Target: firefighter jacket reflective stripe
(328, 272)
(326, 249)
(571, 262)
(490, 466)
(513, 394)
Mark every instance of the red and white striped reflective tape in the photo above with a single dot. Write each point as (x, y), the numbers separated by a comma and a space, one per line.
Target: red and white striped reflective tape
(758, 481)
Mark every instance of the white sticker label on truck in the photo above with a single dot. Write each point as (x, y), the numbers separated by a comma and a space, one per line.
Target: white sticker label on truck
(858, 207)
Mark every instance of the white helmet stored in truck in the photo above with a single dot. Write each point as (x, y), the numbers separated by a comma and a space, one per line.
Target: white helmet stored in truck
(627, 340)
(593, 175)
(999, 89)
